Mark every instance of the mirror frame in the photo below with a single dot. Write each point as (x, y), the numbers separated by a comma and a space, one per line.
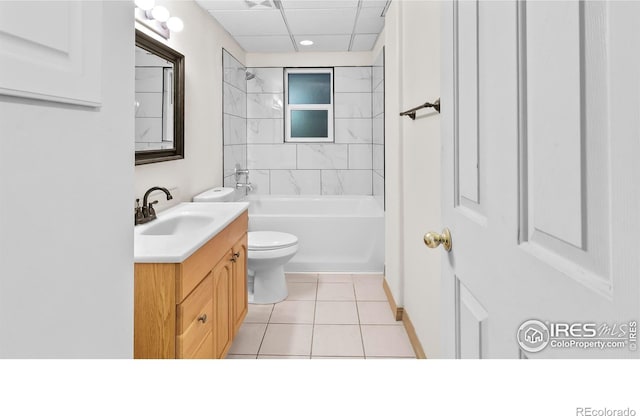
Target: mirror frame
(144, 157)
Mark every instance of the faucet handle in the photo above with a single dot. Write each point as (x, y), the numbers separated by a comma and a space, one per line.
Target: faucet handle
(151, 211)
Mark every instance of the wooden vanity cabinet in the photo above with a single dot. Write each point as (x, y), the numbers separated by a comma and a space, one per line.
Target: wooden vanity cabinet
(193, 309)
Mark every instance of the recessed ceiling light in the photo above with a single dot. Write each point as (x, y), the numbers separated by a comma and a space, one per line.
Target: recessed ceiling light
(306, 42)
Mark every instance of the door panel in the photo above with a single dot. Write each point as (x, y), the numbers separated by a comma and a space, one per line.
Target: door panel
(471, 331)
(565, 142)
(551, 234)
(467, 89)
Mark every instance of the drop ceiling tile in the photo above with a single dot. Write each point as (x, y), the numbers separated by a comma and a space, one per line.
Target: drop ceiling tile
(251, 22)
(321, 22)
(265, 43)
(324, 43)
(322, 4)
(369, 21)
(363, 42)
(235, 4)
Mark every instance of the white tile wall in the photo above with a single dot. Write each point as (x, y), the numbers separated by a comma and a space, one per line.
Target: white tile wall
(353, 130)
(360, 156)
(346, 182)
(378, 103)
(343, 167)
(322, 156)
(266, 80)
(268, 105)
(234, 157)
(271, 156)
(378, 188)
(378, 73)
(235, 130)
(234, 72)
(295, 182)
(148, 130)
(235, 101)
(378, 159)
(378, 128)
(352, 105)
(149, 79)
(235, 118)
(265, 130)
(352, 79)
(259, 178)
(149, 104)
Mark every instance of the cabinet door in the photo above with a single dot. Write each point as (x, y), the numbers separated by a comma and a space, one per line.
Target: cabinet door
(194, 322)
(222, 306)
(240, 298)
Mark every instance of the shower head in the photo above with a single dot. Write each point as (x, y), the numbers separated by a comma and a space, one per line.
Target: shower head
(249, 75)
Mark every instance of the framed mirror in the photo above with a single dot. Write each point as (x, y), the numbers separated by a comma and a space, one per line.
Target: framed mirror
(159, 105)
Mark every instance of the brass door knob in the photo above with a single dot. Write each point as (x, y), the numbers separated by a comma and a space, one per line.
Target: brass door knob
(433, 240)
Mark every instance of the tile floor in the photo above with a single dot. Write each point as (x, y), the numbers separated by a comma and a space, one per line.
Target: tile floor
(324, 316)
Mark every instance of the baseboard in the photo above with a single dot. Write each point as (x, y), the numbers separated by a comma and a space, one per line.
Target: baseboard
(402, 315)
(413, 337)
(397, 312)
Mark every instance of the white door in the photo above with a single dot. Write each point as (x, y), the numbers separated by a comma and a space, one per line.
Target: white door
(541, 186)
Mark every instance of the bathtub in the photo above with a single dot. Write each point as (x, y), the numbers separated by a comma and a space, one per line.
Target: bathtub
(335, 233)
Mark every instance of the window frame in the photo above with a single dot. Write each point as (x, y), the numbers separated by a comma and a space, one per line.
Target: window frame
(288, 108)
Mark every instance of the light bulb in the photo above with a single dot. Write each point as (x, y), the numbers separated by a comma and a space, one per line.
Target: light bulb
(145, 4)
(160, 13)
(175, 24)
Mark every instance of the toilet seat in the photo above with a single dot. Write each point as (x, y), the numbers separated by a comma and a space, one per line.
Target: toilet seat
(270, 240)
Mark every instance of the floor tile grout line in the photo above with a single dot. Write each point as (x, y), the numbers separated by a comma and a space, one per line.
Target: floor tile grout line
(355, 296)
(266, 328)
(313, 326)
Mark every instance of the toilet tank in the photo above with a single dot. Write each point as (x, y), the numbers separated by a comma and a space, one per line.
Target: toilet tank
(217, 194)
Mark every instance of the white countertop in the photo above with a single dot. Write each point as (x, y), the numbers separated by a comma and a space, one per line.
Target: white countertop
(200, 222)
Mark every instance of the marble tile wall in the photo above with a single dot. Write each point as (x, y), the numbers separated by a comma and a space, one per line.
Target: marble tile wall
(234, 118)
(344, 167)
(378, 128)
(148, 112)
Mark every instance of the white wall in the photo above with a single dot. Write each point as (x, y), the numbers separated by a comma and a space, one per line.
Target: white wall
(303, 59)
(421, 165)
(201, 43)
(390, 39)
(412, 48)
(66, 241)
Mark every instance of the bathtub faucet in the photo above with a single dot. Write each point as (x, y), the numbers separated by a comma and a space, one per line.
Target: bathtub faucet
(246, 186)
(239, 172)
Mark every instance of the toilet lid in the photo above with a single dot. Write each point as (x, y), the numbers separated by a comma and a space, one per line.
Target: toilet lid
(270, 240)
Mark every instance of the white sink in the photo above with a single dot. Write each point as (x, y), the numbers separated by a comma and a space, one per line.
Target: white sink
(179, 224)
(179, 231)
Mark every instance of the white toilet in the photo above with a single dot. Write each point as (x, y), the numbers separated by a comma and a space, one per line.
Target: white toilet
(268, 252)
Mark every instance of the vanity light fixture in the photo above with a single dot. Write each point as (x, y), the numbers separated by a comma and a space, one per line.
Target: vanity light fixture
(157, 18)
(175, 24)
(306, 42)
(160, 13)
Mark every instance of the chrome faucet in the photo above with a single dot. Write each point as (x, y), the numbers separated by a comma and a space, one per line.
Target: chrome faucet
(239, 172)
(145, 213)
(248, 186)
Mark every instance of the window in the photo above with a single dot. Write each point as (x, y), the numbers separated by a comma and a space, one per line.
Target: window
(308, 105)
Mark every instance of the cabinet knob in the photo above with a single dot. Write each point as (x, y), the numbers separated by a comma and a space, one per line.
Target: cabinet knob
(236, 254)
(202, 318)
